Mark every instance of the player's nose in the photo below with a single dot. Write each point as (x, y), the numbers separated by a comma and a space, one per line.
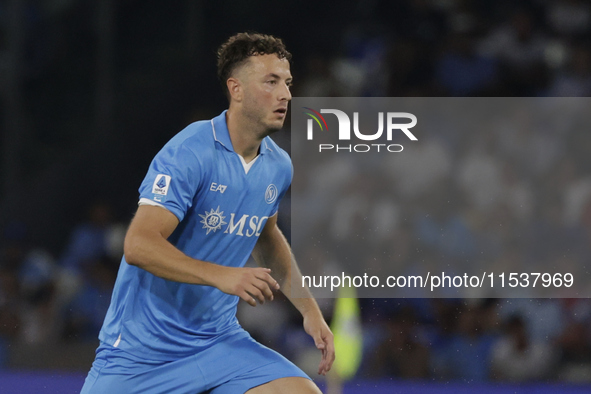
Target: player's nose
(285, 93)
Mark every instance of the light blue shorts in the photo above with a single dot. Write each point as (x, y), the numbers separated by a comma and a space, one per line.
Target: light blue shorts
(228, 367)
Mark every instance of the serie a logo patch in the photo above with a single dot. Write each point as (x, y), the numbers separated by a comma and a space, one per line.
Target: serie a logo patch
(161, 184)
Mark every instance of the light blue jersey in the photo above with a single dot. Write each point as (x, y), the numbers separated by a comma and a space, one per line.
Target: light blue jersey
(222, 204)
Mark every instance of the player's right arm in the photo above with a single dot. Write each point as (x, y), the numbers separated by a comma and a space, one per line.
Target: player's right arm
(147, 247)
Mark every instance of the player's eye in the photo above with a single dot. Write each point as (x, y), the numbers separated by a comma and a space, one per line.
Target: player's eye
(272, 82)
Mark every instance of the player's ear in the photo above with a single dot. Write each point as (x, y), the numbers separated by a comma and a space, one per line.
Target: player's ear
(235, 89)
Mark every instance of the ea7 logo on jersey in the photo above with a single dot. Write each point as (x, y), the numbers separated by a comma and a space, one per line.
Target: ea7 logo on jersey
(217, 188)
(161, 184)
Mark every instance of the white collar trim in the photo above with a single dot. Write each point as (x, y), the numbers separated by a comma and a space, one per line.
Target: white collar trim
(246, 165)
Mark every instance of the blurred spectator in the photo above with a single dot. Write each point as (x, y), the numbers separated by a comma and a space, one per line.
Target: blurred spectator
(464, 352)
(29, 277)
(544, 319)
(38, 278)
(425, 165)
(99, 236)
(350, 208)
(524, 142)
(410, 68)
(441, 223)
(91, 260)
(516, 357)
(83, 317)
(575, 80)
(518, 196)
(361, 72)
(480, 173)
(519, 46)
(401, 354)
(575, 341)
(576, 191)
(318, 79)
(462, 71)
(10, 255)
(569, 17)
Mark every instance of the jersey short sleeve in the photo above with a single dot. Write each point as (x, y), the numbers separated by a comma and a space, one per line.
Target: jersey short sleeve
(172, 180)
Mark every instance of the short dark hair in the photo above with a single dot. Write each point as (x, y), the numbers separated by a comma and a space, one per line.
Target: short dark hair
(238, 48)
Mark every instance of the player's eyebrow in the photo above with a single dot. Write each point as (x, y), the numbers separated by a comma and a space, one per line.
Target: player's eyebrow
(275, 76)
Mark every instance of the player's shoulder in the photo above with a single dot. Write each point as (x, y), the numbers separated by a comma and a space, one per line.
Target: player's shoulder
(276, 151)
(194, 140)
(196, 136)
(280, 157)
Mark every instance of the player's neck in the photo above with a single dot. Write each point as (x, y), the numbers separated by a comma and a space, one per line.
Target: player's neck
(245, 140)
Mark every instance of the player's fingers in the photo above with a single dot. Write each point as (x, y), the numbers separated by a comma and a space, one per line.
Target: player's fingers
(318, 341)
(322, 366)
(266, 276)
(256, 293)
(320, 345)
(324, 359)
(248, 298)
(264, 288)
(330, 354)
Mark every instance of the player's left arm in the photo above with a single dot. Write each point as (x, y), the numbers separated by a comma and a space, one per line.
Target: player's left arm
(273, 251)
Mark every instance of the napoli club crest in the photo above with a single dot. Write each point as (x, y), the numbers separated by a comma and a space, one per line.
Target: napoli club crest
(271, 194)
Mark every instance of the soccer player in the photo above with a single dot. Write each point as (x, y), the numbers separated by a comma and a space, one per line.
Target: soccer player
(209, 201)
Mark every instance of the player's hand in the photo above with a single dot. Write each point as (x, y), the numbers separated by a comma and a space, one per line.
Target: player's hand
(250, 284)
(317, 328)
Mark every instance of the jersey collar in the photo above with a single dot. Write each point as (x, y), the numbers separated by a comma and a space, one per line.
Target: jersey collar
(222, 135)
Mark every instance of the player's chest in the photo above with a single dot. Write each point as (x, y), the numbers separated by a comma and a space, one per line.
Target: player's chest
(232, 185)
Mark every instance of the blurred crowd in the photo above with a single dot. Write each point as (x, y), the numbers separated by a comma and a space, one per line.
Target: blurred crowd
(488, 187)
(471, 340)
(516, 193)
(538, 183)
(46, 299)
(458, 48)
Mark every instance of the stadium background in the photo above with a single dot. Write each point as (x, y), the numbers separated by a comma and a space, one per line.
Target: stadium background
(91, 90)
